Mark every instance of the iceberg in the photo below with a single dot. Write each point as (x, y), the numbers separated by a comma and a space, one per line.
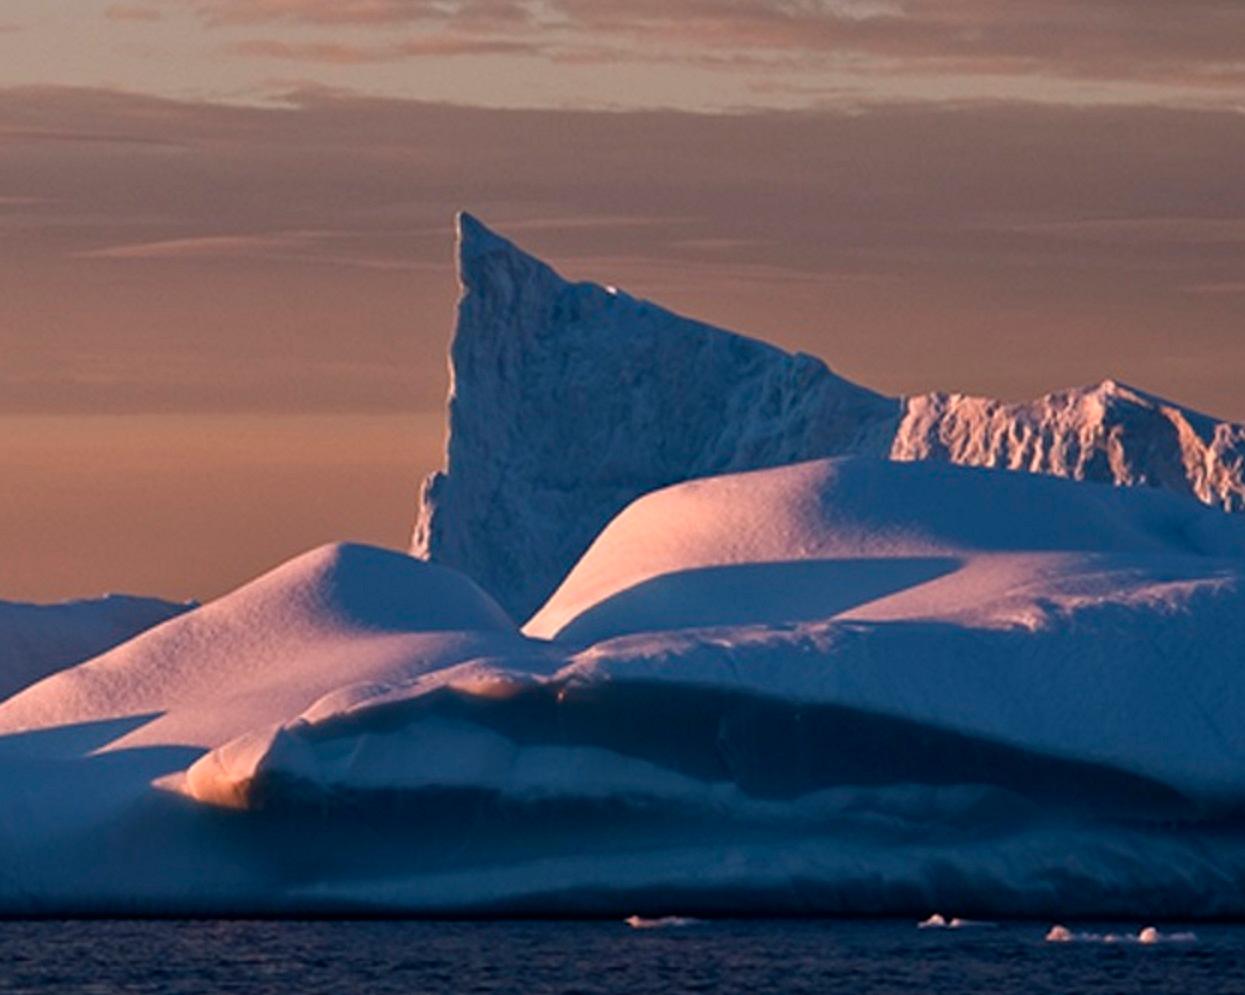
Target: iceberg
(749, 682)
(569, 400)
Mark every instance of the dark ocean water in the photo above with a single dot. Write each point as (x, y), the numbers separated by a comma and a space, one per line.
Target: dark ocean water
(601, 957)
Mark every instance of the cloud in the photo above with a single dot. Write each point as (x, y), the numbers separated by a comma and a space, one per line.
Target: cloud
(338, 53)
(313, 247)
(132, 12)
(1226, 287)
(1135, 231)
(1195, 43)
(362, 12)
(1001, 247)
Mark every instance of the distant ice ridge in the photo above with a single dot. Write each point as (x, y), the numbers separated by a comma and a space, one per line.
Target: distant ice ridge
(38, 640)
(1110, 433)
(569, 400)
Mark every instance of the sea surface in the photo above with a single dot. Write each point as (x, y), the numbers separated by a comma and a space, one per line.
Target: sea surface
(370, 956)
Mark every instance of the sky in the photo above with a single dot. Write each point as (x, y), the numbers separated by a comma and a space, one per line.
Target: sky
(226, 282)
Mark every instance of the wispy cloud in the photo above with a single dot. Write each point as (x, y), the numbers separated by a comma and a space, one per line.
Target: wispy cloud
(364, 12)
(319, 247)
(133, 12)
(339, 53)
(1225, 288)
(1140, 231)
(979, 229)
(1192, 43)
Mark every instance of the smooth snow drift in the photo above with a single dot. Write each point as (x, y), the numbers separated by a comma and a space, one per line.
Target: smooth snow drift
(822, 538)
(569, 400)
(339, 615)
(38, 640)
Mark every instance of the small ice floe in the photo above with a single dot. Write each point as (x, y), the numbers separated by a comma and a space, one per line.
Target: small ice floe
(661, 922)
(937, 921)
(1147, 936)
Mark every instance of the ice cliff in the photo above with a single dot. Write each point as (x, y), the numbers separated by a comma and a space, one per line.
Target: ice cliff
(568, 400)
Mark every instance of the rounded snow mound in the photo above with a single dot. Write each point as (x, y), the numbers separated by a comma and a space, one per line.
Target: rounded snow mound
(813, 539)
(368, 587)
(337, 615)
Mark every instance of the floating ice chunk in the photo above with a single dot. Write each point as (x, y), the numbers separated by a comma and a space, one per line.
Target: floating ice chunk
(937, 921)
(662, 922)
(1147, 936)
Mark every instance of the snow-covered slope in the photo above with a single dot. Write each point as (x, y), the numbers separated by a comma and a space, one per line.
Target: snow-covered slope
(818, 539)
(38, 640)
(338, 615)
(570, 400)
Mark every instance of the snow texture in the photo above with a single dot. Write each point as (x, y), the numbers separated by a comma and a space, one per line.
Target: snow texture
(38, 640)
(338, 615)
(569, 400)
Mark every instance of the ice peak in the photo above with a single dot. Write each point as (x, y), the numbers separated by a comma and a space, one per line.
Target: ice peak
(475, 238)
(483, 255)
(1111, 387)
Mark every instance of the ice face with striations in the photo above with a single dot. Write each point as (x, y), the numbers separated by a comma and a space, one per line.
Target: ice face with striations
(569, 400)
(1109, 433)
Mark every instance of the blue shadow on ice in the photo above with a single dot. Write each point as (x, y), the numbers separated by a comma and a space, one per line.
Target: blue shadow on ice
(754, 593)
(69, 742)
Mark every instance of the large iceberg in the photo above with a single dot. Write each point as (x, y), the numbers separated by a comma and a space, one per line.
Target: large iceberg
(849, 684)
(568, 400)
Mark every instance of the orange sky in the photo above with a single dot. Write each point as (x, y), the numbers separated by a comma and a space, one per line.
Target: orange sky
(225, 283)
